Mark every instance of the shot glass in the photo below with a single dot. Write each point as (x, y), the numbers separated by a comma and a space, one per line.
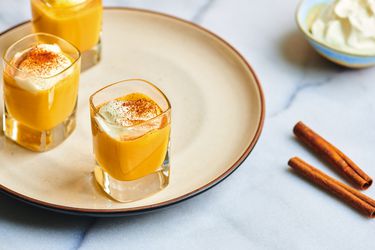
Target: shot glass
(132, 161)
(39, 112)
(78, 22)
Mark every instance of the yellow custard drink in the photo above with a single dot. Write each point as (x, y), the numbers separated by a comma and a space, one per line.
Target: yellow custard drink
(77, 21)
(41, 76)
(131, 133)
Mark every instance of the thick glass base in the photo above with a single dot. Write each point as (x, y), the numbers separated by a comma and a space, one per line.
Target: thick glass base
(91, 57)
(127, 191)
(35, 140)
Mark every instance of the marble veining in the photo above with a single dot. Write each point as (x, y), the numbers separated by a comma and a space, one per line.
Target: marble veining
(263, 205)
(197, 18)
(90, 224)
(300, 88)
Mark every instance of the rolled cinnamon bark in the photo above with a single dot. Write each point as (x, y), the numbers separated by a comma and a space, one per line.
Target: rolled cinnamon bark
(343, 164)
(361, 202)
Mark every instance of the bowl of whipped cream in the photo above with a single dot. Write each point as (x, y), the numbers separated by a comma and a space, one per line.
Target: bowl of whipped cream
(342, 31)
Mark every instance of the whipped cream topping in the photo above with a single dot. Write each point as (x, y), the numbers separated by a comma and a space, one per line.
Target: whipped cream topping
(37, 66)
(348, 25)
(127, 113)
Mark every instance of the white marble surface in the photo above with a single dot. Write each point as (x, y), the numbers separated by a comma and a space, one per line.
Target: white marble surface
(262, 205)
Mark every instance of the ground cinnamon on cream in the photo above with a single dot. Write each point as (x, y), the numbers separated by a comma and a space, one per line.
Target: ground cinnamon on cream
(42, 61)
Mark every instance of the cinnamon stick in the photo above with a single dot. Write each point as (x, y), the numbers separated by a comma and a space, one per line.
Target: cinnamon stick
(343, 164)
(361, 202)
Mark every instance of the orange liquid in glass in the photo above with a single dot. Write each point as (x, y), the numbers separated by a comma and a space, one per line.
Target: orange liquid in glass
(131, 158)
(78, 23)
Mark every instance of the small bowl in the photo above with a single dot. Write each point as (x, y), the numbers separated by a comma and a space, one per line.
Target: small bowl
(347, 59)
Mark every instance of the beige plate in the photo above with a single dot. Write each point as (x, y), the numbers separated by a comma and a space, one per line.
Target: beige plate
(217, 115)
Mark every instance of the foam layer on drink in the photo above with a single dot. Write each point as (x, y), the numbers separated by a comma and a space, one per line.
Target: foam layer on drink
(64, 3)
(37, 66)
(129, 115)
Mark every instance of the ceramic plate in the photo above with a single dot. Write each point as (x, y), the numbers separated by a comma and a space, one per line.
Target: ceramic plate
(217, 103)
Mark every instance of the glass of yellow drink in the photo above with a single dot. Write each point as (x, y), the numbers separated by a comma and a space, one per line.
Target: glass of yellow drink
(77, 21)
(41, 76)
(131, 123)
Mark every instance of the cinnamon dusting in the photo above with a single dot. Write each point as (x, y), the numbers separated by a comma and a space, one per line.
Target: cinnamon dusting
(140, 110)
(130, 110)
(42, 62)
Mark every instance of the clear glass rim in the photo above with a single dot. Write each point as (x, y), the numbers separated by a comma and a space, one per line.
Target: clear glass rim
(168, 109)
(8, 63)
(64, 7)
